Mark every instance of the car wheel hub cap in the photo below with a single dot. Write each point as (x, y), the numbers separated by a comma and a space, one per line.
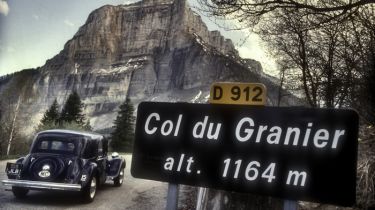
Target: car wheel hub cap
(121, 176)
(92, 187)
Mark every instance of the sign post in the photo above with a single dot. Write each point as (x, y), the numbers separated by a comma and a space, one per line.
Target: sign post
(292, 153)
(201, 194)
(172, 197)
(290, 205)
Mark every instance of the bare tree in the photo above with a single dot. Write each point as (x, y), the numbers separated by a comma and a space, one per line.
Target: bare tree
(18, 91)
(327, 59)
(365, 44)
(329, 45)
(253, 11)
(322, 40)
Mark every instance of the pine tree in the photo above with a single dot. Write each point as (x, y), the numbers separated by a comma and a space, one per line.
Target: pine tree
(72, 111)
(123, 134)
(50, 117)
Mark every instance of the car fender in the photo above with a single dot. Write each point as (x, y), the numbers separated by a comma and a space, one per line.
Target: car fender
(21, 160)
(114, 166)
(89, 170)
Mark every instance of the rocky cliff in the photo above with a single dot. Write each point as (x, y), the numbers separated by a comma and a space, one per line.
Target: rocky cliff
(157, 50)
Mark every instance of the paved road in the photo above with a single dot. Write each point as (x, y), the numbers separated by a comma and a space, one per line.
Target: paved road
(134, 194)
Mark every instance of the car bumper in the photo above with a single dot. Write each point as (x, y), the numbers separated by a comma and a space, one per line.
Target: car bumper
(41, 185)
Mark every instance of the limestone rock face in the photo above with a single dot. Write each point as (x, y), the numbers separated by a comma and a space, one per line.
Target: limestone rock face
(158, 50)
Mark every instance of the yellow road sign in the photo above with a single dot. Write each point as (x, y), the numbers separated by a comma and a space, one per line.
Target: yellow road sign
(238, 93)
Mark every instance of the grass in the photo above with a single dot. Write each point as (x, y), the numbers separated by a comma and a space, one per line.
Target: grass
(10, 157)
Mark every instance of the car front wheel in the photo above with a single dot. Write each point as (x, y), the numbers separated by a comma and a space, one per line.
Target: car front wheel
(19, 192)
(89, 191)
(119, 179)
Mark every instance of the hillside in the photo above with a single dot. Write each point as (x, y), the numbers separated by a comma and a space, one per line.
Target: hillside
(155, 50)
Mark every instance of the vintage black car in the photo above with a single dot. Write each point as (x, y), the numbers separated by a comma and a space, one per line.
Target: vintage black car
(65, 160)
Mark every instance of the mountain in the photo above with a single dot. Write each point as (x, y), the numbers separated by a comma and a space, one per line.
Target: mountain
(155, 50)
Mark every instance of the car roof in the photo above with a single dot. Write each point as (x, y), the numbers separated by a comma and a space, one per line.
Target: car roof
(92, 135)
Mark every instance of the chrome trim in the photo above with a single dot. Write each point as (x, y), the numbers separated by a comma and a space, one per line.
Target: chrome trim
(41, 185)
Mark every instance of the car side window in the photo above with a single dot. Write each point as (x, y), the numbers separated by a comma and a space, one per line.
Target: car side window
(57, 145)
(91, 150)
(43, 145)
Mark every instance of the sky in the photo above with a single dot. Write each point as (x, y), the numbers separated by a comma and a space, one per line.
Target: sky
(32, 31)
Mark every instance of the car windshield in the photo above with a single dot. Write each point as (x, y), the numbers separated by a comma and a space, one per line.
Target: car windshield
(60, 144)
